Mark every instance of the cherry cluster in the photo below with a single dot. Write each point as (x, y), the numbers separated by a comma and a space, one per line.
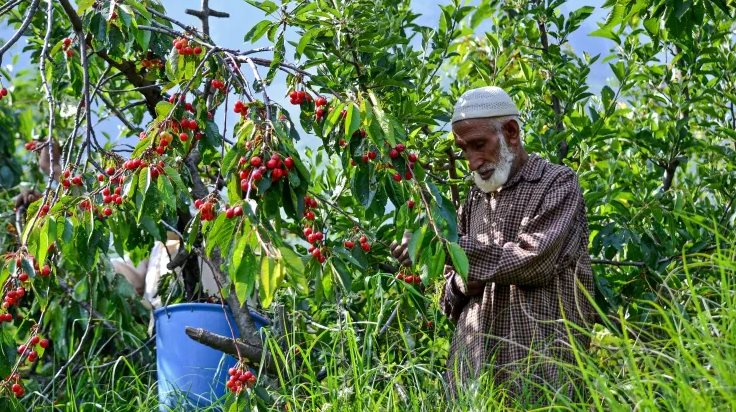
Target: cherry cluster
(152, 63)
(395, 153)
(313, 236)
(410, 279)
(363, 241)
(232, 212)
(219, 85)
(206, 208)
(299, 97)
(184, 47)
(241, 108)
(240, 379)
(3, 93)
(14, 382)
(30, 354)
(66, 46)
(66, 182)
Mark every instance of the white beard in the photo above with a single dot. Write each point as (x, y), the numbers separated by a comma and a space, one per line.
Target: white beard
(500, 175)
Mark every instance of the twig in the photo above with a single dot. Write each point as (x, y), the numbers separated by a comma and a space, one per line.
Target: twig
(389, 320)
(6, 8)
(121, 116)
(131, 354)
(29, 16)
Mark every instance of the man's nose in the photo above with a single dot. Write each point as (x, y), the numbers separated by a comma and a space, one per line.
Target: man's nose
(475, 162)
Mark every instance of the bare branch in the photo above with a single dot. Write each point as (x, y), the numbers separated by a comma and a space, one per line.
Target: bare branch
(29, 15)
(250, 354)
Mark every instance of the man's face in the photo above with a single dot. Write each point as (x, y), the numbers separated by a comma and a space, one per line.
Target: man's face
(487, 152)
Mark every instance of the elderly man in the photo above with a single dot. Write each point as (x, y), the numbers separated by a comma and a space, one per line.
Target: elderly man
(523, 228)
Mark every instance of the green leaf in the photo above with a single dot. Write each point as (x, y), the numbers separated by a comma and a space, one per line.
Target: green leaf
(267, 6)
(415, 242)
(436, 267)
(459, 259)
(83, 6)
(342, 272)
(257, 31)
(332, 119)
(163, 109)
(220, 233)
(166, 191)
(352, 120)
(272, 274)
(360, 185)
(193, 232)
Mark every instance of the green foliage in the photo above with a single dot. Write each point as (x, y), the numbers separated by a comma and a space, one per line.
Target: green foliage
(654, 151)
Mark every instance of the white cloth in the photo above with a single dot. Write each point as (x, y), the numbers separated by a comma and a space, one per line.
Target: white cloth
(490, 101)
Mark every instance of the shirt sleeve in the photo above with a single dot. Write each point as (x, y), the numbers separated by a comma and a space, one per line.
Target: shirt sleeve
(453, 299)
(531, 260)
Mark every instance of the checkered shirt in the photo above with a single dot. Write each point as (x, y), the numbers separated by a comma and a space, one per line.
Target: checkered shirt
(528, 244)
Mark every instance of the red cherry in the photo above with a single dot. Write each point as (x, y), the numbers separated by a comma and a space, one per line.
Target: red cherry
(412, 157)
(320, 101)
(100, 177)
(409, 279)
(183, 137)
(372, 155)
(307, 231)
(77, 180)
(393, 153)
(32, 356)
(257, 175)
(67, 41)
(410, 204)
(238, 211)
(365, 246)
(107, 211)
(397, 177)
(45, 271)
(276, 174)
(34, 340)
(349, 244)
(309, 215)
(197, 50)
(23, 277)
(229, 213)
(363, 239)
(272, 163)
(44, 343)
(256, 161)
(289, 163)
(400, 147)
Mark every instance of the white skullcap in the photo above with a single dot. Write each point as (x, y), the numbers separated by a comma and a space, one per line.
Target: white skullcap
(489, 101)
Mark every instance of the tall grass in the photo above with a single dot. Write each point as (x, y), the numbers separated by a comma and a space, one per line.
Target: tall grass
(682, 357)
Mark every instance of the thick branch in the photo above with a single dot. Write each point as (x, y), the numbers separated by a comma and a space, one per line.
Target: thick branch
(250, 353)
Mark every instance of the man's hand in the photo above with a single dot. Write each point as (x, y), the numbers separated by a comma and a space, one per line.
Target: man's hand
(401, 251)
(472, 288)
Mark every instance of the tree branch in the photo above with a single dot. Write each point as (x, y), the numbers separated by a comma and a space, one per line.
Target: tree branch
(29, 16)
(250, 354)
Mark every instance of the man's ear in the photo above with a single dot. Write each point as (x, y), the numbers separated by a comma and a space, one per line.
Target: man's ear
(511, 133)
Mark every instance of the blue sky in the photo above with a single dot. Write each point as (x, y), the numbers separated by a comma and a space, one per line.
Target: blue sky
(229, 33)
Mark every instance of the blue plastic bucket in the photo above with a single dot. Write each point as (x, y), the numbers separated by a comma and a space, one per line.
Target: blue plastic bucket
(192, 375)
